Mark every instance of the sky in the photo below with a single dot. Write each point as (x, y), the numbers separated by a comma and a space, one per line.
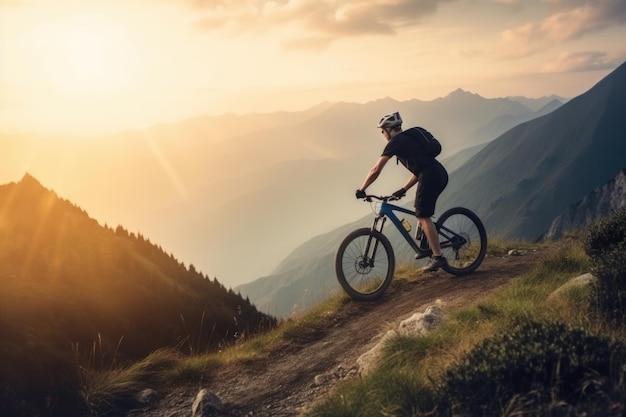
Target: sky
(94, 66)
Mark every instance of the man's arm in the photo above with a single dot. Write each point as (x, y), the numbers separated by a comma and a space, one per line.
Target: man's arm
(374, 172)
(410, 182)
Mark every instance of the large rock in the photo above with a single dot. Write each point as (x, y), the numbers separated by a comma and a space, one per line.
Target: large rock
(579, 281)
(419, 324)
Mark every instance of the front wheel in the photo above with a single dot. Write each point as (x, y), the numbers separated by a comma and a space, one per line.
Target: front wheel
(463, 240)
(365, 264)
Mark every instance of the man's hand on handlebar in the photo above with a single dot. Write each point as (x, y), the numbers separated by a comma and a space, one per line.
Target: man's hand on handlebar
(399, 194)
(360, 194)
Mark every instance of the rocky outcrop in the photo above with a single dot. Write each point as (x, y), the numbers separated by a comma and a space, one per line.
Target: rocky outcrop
(600, 203)
(583, 280)
(419, 324)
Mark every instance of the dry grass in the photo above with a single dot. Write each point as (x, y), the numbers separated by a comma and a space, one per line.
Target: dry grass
(405, 385)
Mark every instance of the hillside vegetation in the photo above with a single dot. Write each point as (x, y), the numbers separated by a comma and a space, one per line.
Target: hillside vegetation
(540, 346)
(537, 348)
(74, 293)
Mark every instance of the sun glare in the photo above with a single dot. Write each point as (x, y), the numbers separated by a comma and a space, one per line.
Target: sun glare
(86, 54)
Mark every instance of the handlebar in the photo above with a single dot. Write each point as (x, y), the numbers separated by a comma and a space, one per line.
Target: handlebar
(369, 198)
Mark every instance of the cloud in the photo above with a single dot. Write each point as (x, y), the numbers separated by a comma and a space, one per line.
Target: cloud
(584, 61)
(321, 20)
(576, 21)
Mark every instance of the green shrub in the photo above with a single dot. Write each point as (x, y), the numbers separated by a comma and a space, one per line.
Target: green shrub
(536, 370)
(605, 244)
(605, 234)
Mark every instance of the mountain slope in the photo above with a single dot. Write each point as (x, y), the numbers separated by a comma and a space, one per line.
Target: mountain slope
(501, 124)
(306, 367)
(304, 277)
(74, 290)
(517, 184)
(522, 180)
(599, 204)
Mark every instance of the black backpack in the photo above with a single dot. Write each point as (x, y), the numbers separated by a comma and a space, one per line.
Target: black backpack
(429, 144)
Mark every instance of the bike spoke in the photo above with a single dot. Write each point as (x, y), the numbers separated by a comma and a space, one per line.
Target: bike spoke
(364, 272)
(464, 240)
(364, 264)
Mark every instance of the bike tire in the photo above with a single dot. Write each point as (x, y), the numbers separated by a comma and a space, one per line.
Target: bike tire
(360, 276)
(463, 258)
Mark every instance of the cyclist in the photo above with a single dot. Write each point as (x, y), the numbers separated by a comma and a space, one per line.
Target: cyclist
(426, 170)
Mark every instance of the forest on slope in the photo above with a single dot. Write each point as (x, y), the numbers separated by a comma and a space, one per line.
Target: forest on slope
(74, 292)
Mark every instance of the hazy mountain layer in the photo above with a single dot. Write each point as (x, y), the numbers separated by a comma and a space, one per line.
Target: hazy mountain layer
(517, 183)
(232, 195)
(523, 179)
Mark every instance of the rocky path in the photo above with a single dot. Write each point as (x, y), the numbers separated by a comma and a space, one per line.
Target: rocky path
(296, 374)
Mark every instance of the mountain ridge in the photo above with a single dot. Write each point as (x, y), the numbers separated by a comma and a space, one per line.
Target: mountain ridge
(599, 204)
(168, 180)
(582, 131)
(73, 290)
(503, 181)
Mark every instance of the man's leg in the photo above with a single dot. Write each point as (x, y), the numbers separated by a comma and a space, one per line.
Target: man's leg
(431, 234)
(431, 183)
(437, 260)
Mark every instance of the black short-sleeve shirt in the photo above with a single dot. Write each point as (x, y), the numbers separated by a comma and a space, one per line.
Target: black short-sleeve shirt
(408, 151)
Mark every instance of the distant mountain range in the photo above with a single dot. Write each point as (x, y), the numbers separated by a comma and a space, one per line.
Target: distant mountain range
(517, 183)
(233, 195)
(240, 197)
(523, 179)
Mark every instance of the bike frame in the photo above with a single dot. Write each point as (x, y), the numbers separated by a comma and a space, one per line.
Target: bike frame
(365, 262)
(388, 211)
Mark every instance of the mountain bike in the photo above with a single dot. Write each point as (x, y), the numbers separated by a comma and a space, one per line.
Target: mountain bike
(365, 260)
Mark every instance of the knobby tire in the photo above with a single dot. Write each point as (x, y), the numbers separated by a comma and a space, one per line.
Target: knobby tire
(463, 258)
(362, 277)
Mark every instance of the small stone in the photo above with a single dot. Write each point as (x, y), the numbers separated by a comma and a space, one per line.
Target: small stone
(148, 397)
(206, 404)
(320, 380)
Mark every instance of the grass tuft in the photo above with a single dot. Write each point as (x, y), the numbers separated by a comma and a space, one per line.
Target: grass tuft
(408, 383)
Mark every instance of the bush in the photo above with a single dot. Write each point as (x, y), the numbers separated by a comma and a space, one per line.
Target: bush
(536, 370)
(605, 234)
(605, 244)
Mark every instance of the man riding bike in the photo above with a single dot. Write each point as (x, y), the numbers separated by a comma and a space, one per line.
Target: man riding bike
(426, 171)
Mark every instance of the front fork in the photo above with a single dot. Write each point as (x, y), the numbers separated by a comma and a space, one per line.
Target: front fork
(379, 222)
(372, 242)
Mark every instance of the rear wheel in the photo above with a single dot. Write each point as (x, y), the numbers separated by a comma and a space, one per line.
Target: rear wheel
(463, 240)
(365, 264)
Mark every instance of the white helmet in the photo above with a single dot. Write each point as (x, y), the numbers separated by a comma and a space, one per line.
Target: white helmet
(390, 120)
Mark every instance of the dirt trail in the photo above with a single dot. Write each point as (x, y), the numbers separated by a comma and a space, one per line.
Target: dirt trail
(295, 375)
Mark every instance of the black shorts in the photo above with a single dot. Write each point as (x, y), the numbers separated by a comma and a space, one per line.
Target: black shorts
(431, 183)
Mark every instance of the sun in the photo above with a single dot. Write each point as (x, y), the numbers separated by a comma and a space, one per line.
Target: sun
(87, 55)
